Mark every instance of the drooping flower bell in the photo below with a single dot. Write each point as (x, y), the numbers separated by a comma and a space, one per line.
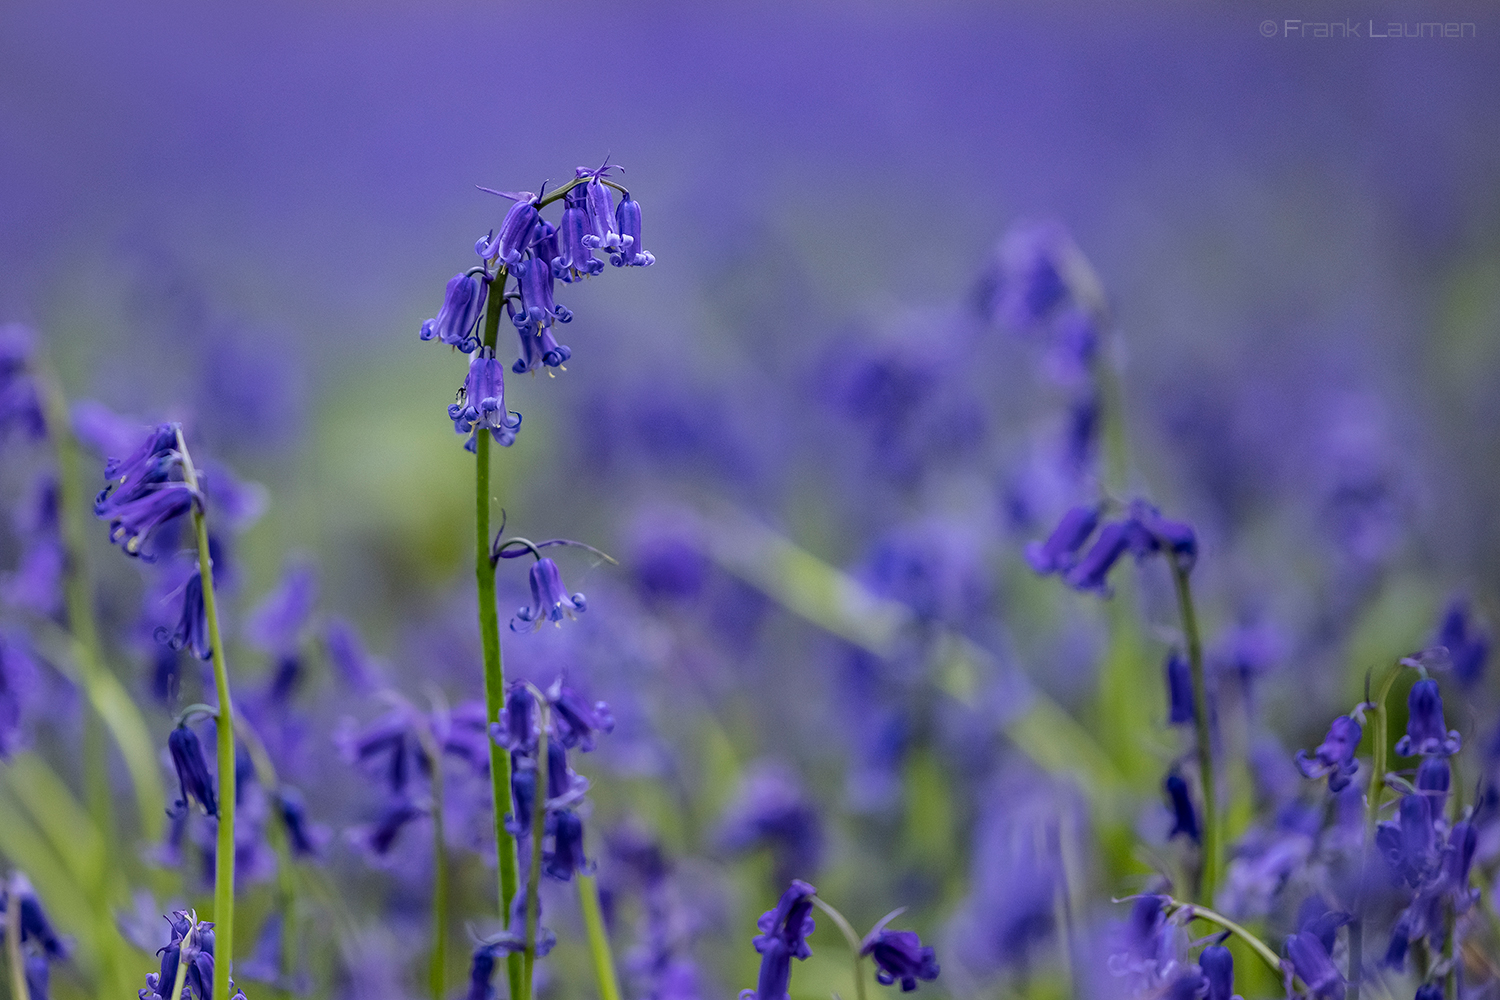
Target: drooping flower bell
(1218, 969)
(1335, 755)
(1059, 552)
(1310, 959)
(600, 206)
(1184, 815)
(550, 600)
(1468, 646)
(1434, 777)
(575, 258)
(1179, 690)
(193, 778)
(1426, 731)
(192, 627)
(463, 305)
(899, 956)
(628, 220)
(783, 937)
(1092, 571)
(480, 403)
(575, 720)
(515, 231)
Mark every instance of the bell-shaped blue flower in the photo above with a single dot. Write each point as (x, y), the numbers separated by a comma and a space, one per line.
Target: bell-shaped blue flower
(1184, 815)
(1059, 552)
(1335, 755)
(516, 730)
(516, 230)
(566, 856)
(575, 719)
(480, 404)
(1408, 844)
(575, 258)
(1434, 777)
(1426, 732)
(1092, 571)
(1468, 646)
(463, 304)
(631, 252)
(550, 600)
(193, 777)
(1310, 959)
(147, 495)
(783, 937)
(900, 957)
(1218, 969)
(1179, 689)
(192, 627)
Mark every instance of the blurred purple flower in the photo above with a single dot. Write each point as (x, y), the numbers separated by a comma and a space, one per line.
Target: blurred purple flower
(1184, 814)
(1426, 732)
(193, 778)
(1468, 646)
(1180, 708)
(1335, 755)
(1059, 552)
(772, 809)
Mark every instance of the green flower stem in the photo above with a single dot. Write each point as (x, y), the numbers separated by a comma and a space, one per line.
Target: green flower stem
(224, 851)
(489, 635)
(181, 978)
(854, 945)
(1212, 849)
(436, 966)
(13, 944)
(1196, 912)
(593, 922)
(538, 830)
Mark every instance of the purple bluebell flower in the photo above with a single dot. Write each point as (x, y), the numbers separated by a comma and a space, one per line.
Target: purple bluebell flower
(1433, 780)
(772, 809)
(631, 252)
(191, 632)
(463, 305)
(37, 582)
(38, 976)
(193, 779)
(1152, 947)
(349, 657)
(899, 957)
(516, 730)
(276, 624)
(537, 304)
(387, 749)
(36, 928)
(1335, 755)
(1408, 843)
(20, 406)
(550, 600)
(566, 855)
(1310, 960)
(783, 937)
(158, 983)
(512, 940)
(1425, 728)
(1179, 690)
(17, 671)
(601, 209)
(522, 795)
(1028, 282)
(1184, 815)
(1092, 571)
(575, 719)
(538, 346)
(1218, 969)
(1468, 646)
(575, 257)
(379, 837)
(1429, 991)
(305, 838)
(480, 404)
(515, 231)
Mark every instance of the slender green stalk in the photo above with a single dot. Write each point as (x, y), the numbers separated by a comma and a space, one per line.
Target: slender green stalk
(224, 850)
(854, 945)
(1196, 912)
(489, 636)
(593, 922)
(182, 963)
(1212, 849)
(538, 830)
(13, 942)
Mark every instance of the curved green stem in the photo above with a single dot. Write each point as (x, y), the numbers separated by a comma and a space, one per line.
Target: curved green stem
(224, 850)
(1212, 849)
(854, 944)
(593, 922)
(489, 636)
(13, 954)
(1196, 912)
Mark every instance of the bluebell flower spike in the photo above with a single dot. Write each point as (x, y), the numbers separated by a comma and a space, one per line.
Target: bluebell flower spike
(783, 937)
